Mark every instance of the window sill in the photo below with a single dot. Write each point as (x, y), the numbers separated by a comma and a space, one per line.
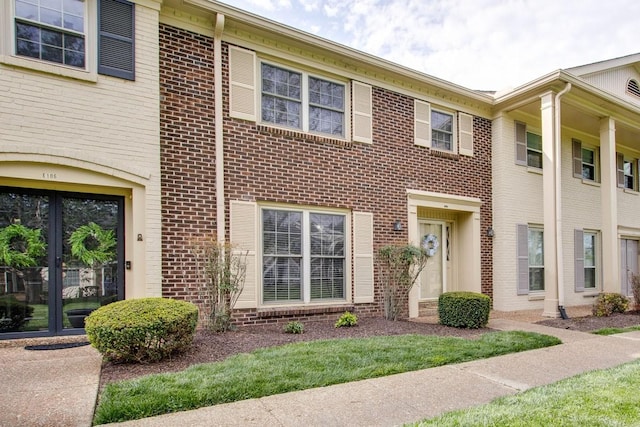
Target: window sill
(591, 294)
(444, 154)
(632, 192)
(590, 182)
(58, 70)
(536, 171)
(536, 296)
(265, 312)
(290, 133)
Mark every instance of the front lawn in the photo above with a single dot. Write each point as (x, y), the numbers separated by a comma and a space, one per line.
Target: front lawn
(596, 399)
(299, 366)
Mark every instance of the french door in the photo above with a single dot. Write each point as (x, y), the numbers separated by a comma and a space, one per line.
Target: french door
(61, 257)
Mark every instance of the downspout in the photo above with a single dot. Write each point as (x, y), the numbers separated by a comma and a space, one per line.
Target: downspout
(558, 173)
(219, 134)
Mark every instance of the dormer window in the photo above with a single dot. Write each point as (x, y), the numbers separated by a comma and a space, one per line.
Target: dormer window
(633, 88)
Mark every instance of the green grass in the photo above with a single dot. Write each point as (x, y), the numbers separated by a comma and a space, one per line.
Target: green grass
(599, 398)
(299, 366)
(613, 331)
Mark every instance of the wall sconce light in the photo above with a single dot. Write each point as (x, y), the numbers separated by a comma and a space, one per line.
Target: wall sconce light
(397, 226)
(490, 232)
(140, 237)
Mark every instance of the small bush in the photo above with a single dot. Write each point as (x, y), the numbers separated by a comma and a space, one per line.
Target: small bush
(347, 319)
(608, 303)
(294, 328)
(13, 313)
(464, 309)
(142, 330)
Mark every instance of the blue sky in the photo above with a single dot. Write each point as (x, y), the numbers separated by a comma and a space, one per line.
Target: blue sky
(479, 44)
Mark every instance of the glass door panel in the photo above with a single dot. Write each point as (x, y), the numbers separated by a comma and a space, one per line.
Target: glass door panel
(24, 268)
(89, 257)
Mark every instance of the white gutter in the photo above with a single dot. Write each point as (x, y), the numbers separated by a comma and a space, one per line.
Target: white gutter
(217, 83)
(558, 174)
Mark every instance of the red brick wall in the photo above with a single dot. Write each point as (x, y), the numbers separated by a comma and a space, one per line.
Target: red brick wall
(264, 164)
(187, 150)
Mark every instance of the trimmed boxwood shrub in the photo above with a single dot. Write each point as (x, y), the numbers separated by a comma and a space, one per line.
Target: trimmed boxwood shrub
(142, 330)
(464, 309)
(608, 303)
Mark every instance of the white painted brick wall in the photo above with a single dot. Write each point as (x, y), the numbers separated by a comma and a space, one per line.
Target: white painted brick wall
(113, 120)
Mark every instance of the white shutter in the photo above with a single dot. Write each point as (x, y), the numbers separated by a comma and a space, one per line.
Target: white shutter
(466, 134)
(362, 112)
(362, 257)
(242, 83)
(244, 236)
(422, 123)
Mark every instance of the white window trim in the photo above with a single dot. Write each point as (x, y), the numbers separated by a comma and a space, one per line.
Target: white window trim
(306, 259)
(304, 101)
(454, 129)
(7, 46)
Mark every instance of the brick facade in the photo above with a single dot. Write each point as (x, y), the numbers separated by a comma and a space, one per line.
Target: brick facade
(265, 164)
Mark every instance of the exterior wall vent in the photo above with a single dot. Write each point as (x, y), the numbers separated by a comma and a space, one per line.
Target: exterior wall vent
(633, 88)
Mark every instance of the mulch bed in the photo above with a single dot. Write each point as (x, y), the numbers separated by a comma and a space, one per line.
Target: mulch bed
(211, 347)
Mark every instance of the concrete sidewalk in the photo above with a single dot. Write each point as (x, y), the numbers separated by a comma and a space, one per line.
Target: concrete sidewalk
(59, 387)
(413, 396)
(48, 387)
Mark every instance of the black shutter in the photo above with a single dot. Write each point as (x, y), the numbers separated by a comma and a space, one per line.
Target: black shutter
(521, 143)
(577, 158)
(116, 38)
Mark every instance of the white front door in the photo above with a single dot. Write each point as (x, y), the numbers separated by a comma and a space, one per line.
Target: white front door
(433, 237)
(629, 264)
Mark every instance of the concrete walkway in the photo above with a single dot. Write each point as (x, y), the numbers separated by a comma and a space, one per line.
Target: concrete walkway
(59, 387)
(48, 387)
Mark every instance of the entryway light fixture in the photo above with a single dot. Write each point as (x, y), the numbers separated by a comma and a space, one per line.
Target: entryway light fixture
(490, 232)
(397, 226)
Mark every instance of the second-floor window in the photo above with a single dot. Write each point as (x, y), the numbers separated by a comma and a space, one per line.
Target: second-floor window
(51, 30)
(629, 175)
(441, 130)
(301, 101)
(528, 146)
(588, 164)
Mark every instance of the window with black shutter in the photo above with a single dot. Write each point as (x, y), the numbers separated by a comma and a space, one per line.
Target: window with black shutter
(116, 38)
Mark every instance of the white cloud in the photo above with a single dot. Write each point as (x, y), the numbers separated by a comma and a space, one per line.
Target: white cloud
(480, 44)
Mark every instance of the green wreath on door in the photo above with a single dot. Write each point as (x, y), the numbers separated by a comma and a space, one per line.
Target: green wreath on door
(104, 250)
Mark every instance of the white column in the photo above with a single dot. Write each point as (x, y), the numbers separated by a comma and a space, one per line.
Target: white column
(550, 188)
(609, 206)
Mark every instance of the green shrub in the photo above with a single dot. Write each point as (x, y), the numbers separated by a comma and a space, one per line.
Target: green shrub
(142, 330)
(464, 309)
(13, 313)
(347, 319)
(608, 303)
(294, 328)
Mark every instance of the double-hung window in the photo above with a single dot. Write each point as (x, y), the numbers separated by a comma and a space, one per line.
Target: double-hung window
(51, 30)
(588, 164)
(629, 175)
(536, 259)
(303, 256)
(590, 252)
(442, 126)
(298, 100)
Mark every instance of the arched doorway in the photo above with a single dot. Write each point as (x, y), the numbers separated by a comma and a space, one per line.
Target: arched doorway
(61, 256)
